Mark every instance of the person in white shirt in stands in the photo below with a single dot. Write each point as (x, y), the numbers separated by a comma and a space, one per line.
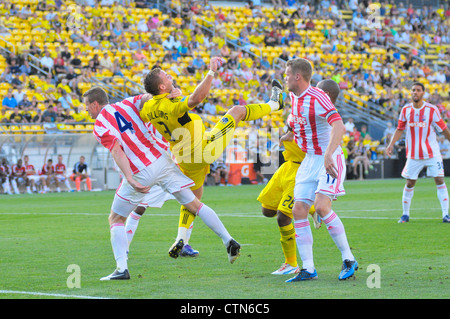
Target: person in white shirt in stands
(349, 125)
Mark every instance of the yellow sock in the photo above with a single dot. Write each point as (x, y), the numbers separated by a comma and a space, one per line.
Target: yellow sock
(288, 244)
(186, 218)
(218, 138)
(312, 210)
(257, 111)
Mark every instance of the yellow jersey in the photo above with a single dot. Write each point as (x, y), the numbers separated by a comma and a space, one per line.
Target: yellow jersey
(184, 131)
(293, 152)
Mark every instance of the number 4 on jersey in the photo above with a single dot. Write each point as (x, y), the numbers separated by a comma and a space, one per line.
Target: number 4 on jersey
(123, 123)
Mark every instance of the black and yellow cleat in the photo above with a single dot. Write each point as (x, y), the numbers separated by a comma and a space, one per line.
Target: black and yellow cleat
(233, 250)
(176, 248)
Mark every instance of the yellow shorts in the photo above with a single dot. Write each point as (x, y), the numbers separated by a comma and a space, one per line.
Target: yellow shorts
(195, 172)
(278, 195)
(214, 144)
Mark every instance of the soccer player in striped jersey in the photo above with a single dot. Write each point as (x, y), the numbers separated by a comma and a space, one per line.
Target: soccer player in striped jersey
(47, 173)
(31, 173)
(318, 130)
(421, 120)
(193, 148)
(143, 163)
(60, 170)
(18, 176)
(277, 198)
(5, 172)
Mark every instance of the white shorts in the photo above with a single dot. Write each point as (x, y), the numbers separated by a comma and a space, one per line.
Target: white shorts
(163, 173)
(61, 178)
(35, 178)
(21, 180)
(312, 178)
(413, 167)
(156, 197)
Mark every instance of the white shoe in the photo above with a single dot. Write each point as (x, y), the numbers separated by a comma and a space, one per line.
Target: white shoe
(286, 269)
(317, 220)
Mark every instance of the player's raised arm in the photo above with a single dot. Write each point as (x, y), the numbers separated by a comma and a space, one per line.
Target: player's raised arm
(202, 90)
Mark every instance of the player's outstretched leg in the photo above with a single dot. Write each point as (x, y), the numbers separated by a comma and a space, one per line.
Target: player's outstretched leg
(210, 218)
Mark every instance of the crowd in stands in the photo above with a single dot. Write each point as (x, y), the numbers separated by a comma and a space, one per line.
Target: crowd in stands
(59, 46)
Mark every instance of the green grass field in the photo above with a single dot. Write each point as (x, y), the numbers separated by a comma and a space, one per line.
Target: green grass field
(43, 234)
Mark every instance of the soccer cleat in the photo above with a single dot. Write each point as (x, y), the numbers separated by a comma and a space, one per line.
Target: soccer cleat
(233, 250)
(277, 93)
(176, 248)
(188, 251)
(348, 269)
(403, 219)
(446, 219)
(117, 275)
(317, 220)
(304, 275)
(286, 269)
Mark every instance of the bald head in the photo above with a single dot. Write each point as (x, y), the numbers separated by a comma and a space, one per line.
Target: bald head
(331, 88)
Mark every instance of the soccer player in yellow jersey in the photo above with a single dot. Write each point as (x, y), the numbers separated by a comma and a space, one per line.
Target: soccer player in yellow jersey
(193, 148)
(277, 198)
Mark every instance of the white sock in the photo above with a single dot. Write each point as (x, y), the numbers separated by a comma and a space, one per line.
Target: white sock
(337, 232)
(408, 194)
(119, 245)
(66, 181)
(131, 226)
(6, 187)
(274, 105)
(14, 185)
(211, 220)
(442, 194)
(58, 189)
(304, 240)
(189, 232)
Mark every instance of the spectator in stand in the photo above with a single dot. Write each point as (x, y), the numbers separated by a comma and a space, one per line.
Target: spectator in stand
(9, 102)
(16, 117)
(356, 134)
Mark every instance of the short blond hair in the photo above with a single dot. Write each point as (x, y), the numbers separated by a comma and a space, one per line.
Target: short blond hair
(302, 66)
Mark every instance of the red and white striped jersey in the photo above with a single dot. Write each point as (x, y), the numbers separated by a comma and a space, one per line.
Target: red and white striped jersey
(5, 169)
(421, 125)
(162, 140)
(29, 168)
(121, 122)
(311, 118)
(18, 170)
(60, 168)
(45, 170)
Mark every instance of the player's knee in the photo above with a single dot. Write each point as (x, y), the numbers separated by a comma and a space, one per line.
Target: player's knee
(238, 112)
(269, 212)
(115, 218)
(439, 180)
(140, 210)
(410, 183)
(283, 220)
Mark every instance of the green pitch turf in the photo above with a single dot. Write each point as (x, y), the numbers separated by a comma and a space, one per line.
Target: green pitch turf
(43, 235)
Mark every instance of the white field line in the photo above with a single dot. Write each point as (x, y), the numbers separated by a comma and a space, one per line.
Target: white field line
(249, 215)
(44, 294)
